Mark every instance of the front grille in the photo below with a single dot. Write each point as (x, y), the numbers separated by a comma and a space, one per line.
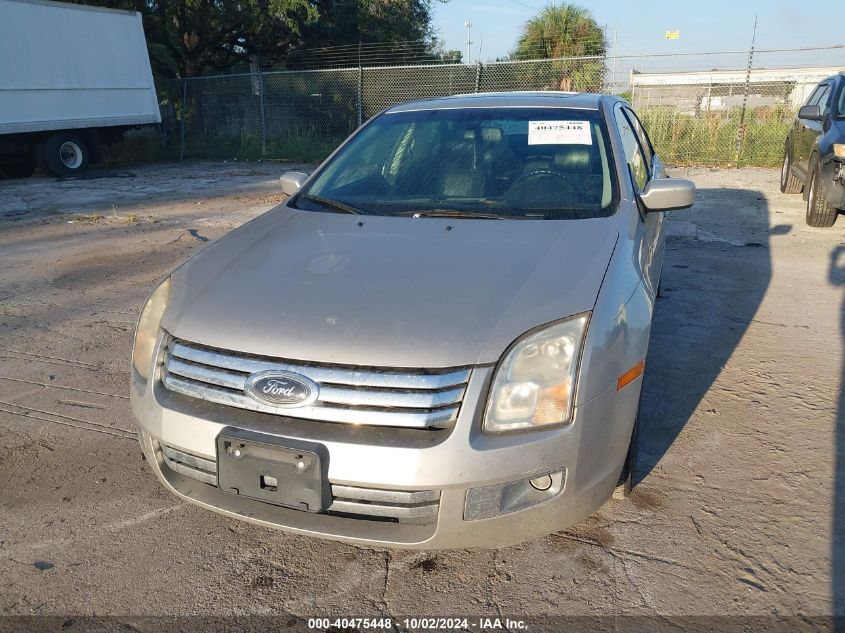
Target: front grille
(400, 506)
(348, 394)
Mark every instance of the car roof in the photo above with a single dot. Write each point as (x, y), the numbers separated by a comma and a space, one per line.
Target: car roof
(533, 99)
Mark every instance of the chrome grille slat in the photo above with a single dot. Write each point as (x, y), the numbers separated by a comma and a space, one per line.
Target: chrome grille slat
(410, 399)
(321, 374)
(328, 393)
(406, 506)
(194, 461)
(399, 399)
(202, 373)
(386, 496)
(322, 413)
(428, 511)
(189, 471)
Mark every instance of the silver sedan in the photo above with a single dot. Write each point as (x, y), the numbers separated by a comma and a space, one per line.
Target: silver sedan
(438, 340)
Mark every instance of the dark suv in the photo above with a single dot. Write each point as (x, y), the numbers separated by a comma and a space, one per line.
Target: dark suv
(814, 157)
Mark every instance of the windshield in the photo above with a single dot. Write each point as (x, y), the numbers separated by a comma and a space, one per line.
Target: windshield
(519, 163)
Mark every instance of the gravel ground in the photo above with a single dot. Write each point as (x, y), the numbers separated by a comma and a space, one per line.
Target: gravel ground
(742, 425)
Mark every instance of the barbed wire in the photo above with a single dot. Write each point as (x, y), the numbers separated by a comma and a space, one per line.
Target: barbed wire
(621, 61)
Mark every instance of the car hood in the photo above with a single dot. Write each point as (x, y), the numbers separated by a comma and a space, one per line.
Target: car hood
(386, 291)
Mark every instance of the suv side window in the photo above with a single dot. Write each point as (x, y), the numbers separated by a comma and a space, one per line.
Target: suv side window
(822, 98)
(812, 98)
(633, 153)
(840, 106)
(642, 136)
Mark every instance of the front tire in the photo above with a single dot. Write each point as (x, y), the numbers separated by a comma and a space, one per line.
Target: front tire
(788, 182)
(819, 213)
(629, 469)
(65, 154)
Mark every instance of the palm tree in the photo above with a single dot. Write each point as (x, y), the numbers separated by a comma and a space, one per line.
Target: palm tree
(564, 31)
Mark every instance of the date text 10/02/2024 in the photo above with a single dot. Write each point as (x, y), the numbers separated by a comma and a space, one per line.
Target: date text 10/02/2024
(420, 624)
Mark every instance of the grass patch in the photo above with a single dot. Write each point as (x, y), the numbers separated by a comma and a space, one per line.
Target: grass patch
(303, 143)
(141, 146)
(710, 138)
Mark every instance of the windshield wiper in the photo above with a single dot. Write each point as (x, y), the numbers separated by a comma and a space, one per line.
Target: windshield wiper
(454, 213)
(332, 204)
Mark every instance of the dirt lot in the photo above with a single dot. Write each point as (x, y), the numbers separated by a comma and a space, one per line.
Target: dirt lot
(740, 510)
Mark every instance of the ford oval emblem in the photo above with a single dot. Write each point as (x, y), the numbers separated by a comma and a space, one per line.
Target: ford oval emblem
(281, 389)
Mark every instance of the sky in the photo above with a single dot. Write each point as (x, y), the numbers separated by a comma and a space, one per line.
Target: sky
(641, 26)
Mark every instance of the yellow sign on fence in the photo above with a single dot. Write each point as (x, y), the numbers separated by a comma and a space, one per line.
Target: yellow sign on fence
(673, 35)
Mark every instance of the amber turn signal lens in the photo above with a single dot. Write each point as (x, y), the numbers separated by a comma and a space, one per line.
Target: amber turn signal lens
(630, 375)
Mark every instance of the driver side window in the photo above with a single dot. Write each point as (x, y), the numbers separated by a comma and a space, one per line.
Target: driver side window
(637, 162)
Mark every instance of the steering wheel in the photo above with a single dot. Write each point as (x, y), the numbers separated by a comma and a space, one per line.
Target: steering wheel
(543, 172)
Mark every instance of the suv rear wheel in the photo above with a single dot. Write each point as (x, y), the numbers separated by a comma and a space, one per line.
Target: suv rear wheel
(788, 182)
(819, 212)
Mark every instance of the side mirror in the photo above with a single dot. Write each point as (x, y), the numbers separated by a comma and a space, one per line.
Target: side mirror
(666, 194)
(810, 112)
(292, 181)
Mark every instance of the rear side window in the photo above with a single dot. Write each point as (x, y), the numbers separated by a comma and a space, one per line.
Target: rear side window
(633, 153)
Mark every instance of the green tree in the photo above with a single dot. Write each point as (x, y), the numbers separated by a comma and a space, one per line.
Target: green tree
(565, 31)
(186, 38)
(393, 31)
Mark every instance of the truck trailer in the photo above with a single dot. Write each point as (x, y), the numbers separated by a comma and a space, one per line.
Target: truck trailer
(72, 79)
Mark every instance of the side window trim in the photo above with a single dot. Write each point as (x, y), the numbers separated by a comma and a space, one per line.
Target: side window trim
(637, 127)
(620, 110)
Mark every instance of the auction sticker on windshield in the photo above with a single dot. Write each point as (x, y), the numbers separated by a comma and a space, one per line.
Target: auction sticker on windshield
(559, 133)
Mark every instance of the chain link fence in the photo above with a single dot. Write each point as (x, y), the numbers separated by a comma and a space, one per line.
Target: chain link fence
(722, 108)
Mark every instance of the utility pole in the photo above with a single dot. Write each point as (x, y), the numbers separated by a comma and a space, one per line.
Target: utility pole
(468, 25)
(740, 131)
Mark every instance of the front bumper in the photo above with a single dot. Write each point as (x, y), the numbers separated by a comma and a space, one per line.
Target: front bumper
(590, 450)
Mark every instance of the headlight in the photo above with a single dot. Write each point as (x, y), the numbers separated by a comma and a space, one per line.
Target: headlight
(839, 150)
(147, 330)
(534, 383)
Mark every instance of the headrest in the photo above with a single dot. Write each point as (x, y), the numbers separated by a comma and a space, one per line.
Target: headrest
(573, 159)
(491, 134)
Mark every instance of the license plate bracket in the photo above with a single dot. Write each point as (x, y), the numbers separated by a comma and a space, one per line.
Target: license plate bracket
(281, 471)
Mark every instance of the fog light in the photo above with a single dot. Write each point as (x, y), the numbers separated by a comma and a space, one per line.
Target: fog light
(541, 483)
(492, 501)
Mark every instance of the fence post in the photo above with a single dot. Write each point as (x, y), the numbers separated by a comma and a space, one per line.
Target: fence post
(263, 115)
(263, 121)
(360, 95)
(633, 92)
(478, 76)
(183, 115)
(360, 87)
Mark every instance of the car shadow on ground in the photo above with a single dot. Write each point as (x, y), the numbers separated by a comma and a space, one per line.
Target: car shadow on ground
(712, 285)
(836, 276)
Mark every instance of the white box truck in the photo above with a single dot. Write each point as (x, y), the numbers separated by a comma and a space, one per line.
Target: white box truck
(72, 78)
